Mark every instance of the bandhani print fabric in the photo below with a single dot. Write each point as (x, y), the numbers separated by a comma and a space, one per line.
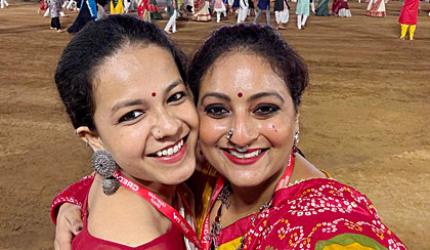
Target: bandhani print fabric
(320, 214)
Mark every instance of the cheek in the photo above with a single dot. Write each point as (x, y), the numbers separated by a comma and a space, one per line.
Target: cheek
(189, 115)
(277, 132)
(211, 130)
(129, 143)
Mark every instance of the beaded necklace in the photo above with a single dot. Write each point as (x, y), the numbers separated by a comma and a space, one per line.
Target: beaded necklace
(216, 225)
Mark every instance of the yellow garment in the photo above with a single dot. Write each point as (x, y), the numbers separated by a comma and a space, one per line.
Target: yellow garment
(412, 31)
(404, 29)
(118, 9)
(231, 245)
(353, 246)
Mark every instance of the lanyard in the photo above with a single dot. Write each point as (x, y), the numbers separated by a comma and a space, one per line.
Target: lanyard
(171, 213)
(205, 236)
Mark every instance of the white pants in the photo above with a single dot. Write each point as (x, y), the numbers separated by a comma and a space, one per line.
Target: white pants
(3, 3)
(301, 21)
(218, 15)
(242, 14)
(69, 4)
(126, 4)
(171, 23)
(282, 17)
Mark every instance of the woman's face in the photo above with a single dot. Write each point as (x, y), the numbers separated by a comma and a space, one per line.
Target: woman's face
(242, 92)
(145, 116)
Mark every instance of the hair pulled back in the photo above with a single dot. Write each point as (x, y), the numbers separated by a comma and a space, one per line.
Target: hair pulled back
(260, 40)
(87, 50)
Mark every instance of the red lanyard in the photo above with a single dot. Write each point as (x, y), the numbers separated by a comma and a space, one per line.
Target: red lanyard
(205, 237)
(171, 213)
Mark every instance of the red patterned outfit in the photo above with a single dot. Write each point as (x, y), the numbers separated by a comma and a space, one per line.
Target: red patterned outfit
(319, 213)
(144, 10)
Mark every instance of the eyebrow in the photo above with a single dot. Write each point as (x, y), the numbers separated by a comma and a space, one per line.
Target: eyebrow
(252, 98)
(216, 95)
(127, 103)
(173, 85)
(266, 94)
(134, 102)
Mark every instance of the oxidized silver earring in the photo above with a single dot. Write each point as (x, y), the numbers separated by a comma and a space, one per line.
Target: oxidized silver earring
(296, 138)
(104, 165)
(229, 134)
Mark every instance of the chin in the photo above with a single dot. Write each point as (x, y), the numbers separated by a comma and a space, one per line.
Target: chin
(179, 175)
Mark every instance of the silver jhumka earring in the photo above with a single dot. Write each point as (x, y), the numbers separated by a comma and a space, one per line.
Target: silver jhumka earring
(104, 165)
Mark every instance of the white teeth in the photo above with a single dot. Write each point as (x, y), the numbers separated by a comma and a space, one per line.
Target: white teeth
(245, 156)
(172, 150)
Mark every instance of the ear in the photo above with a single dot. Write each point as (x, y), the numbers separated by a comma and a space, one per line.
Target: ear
(91, 138)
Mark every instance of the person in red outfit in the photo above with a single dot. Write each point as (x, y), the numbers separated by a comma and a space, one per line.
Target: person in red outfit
(265, 194)
(137, 116)
(144, 10)
(408, 18)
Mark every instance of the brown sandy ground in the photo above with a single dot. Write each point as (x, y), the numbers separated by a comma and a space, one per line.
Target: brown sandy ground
(365, 118)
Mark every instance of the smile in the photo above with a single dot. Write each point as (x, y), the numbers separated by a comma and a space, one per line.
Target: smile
(173, 153)
(171, 150)
(244, 158)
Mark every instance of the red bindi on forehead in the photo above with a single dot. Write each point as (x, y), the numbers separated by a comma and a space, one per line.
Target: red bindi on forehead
(240, 94)
(153, 94)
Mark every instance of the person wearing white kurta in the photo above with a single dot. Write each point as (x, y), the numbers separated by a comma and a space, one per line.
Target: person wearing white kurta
(243, 11)
(376, 8)
(173, 14)
(219, 8)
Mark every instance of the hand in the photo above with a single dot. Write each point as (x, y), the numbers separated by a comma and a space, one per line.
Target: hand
(69, 224)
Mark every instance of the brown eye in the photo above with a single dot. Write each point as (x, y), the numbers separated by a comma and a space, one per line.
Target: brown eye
(266, 109)
(216, 111)
(176, 97)
(130, 116)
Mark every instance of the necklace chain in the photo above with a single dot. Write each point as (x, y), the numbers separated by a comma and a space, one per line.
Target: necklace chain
(225, 202)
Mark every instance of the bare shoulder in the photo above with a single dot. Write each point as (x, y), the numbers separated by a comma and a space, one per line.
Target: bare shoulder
(305, 170)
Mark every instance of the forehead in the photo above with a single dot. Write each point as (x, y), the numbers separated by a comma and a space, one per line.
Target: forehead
(150, 68)
(240, 72)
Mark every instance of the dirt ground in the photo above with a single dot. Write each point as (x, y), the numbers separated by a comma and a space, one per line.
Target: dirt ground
(365, 118)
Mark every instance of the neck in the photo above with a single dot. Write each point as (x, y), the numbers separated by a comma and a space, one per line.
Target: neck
(245, 200)
(165, 192)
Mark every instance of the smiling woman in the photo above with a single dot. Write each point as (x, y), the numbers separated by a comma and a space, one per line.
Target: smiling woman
(143, 142)
(247, 83)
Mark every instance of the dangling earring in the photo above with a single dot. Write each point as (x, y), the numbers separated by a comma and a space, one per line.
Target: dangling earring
(104, 165)
(229, 134)
(296, 138)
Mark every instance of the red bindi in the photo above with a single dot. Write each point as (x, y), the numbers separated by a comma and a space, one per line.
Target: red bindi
(239, 94)
(154, 94)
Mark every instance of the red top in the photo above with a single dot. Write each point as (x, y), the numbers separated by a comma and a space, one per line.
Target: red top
(172, 239)
(409, 12)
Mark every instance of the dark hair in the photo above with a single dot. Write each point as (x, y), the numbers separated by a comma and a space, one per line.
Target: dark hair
(261, 40)
(87, 50)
